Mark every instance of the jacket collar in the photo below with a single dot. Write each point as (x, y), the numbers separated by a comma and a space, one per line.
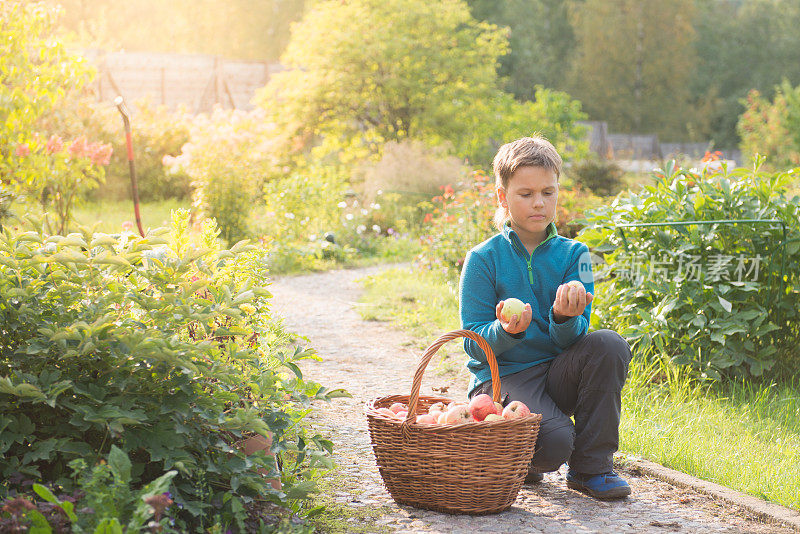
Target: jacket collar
(512, 237)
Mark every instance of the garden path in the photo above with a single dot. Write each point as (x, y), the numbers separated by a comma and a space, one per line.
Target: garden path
(373, 359)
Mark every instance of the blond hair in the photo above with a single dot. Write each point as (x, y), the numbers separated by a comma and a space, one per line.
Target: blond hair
(535, 151)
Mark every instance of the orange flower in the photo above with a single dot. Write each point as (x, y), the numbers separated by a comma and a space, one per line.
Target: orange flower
(22, 150)
(54, 144)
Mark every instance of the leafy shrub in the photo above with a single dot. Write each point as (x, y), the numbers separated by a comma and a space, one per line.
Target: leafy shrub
(772, 129)
(161, 348)
(229, 157)
(59, 174)
(156, 133)
(37, 74)
(601, 177)
(699, 294)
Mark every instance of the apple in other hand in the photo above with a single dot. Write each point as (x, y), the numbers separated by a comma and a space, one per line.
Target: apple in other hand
(512, 307)
(480, 406)
(515, 410)
(493, 417)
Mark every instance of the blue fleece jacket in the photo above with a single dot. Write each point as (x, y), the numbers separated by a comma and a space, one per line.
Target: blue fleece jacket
(500, 268)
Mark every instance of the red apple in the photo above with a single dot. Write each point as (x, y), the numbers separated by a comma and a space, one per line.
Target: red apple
(398, 406)
(515, 410)
(480, 406)
(426, 419)
(385, 411)
(457, 414)
(401, 414)
(493, 417)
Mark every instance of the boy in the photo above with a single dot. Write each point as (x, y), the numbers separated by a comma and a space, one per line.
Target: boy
(546, 357)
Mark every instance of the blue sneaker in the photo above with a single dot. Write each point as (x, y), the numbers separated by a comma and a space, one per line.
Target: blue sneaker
(605, 486)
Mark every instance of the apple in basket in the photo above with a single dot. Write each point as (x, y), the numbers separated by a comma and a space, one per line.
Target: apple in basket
(480, 406)
(515, 410)
(493, 417)
(442, 419)
(435, 414)
(401, 414)
(454, 404)
(499, 407)
(385, 411)
(457, 414)
(426, 419)
(398, 407)
(437, 407)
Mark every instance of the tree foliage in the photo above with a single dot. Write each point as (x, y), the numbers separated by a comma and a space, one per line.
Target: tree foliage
(243, 29)
(541, 40)
(772, 129)
(634, 62)
(385, 71)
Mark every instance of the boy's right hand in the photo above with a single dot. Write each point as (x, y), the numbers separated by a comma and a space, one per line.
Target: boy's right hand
(516, 324)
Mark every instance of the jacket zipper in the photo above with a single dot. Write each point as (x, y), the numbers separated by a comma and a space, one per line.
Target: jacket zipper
(529, 259)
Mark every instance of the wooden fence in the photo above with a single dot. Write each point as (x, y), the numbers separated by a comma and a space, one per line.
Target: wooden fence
(196, 81)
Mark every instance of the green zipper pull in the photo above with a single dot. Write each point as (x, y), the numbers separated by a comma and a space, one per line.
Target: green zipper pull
(530, 272)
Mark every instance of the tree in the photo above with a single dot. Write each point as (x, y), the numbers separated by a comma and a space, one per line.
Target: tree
(242, 29)
(772, 129)
(633, 63)
(742, 46)
(385, 70)
(541, 39)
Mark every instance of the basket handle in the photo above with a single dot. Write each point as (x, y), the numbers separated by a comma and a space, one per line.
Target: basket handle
(428, 354)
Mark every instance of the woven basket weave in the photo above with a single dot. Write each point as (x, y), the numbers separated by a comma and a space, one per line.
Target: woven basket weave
(469, 468)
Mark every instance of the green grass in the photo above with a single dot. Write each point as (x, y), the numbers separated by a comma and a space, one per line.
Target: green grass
(337, 518)
(743, 435)
(110, 215)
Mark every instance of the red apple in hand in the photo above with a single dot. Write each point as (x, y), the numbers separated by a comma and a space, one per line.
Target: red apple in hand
(480, 406)
(515, 410)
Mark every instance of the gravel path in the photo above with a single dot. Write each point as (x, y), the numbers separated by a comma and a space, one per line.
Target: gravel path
(372, 359)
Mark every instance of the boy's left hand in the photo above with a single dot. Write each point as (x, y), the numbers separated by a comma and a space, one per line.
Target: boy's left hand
(571, 300)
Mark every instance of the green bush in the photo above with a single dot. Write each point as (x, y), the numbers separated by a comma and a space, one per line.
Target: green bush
(601, 177)
(699, 294)
(161, 348)
(229, 157)
(156, 133)
(37, 74)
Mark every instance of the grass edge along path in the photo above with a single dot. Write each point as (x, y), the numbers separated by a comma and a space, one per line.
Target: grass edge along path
(743, 436)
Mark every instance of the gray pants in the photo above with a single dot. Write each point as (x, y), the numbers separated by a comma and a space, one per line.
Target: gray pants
(585, 381)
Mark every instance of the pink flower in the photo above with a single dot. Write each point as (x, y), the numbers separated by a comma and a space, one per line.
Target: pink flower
(22, 150)
(127, 226)
(100, 153)
(54, 144)
(79, 148)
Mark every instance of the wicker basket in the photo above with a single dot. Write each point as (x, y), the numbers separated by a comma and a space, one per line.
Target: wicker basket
(469, 468)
